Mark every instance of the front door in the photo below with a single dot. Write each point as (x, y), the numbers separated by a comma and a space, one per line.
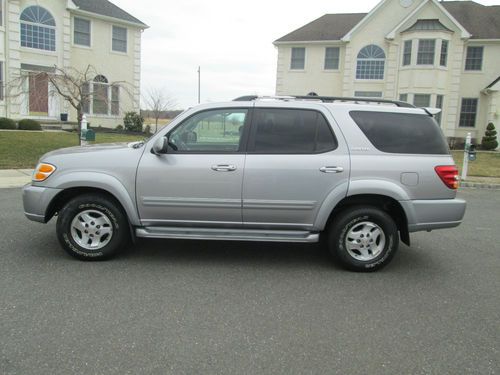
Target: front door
(38, 94)
(295, 160)
(199, 180)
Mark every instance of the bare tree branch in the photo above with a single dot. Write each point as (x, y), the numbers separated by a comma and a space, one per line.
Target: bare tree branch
(157, 101)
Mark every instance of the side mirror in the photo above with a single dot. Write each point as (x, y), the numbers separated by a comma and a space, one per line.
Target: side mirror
(160, 146)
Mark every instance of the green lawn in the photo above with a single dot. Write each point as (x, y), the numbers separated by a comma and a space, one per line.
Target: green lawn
(487, 164)
(23, 149)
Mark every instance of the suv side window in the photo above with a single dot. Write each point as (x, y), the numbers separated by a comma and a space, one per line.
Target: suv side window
(401, 133)
(290, 131)
(213, 131)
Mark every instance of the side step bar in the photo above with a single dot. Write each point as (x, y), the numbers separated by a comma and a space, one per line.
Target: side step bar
(227, 234)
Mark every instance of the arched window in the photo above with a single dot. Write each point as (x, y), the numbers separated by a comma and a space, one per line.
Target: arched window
(38, 29)
(100, 95)
(371, 63)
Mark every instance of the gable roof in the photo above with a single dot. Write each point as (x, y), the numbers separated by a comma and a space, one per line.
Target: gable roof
(108, 9)
(480, 20)
(327, 27)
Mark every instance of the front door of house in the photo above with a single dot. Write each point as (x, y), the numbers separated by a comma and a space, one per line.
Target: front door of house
(38, 94)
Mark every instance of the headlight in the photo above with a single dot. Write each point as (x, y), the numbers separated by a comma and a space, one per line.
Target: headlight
(43, 171)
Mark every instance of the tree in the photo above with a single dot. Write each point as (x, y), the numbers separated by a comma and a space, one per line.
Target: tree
(489, 141)
(71, 84)
(157, 101)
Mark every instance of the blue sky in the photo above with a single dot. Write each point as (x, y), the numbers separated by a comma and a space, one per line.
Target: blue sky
(231, 40)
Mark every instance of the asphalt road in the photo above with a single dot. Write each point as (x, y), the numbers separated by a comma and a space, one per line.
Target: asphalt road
(184, 307)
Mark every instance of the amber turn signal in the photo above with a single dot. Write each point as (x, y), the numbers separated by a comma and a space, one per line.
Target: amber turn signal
(43, 171)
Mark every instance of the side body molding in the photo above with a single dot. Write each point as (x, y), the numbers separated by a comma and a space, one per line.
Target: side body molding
(103, 181)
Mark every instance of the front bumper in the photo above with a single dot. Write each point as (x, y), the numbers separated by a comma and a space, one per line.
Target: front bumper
(434, 214)
(36, 200)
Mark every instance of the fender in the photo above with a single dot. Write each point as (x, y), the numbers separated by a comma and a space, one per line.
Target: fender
(338, 193)
(103, 181)
(358, 187)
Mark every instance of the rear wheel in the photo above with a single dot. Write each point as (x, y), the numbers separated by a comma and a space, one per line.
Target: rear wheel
(92, 227)
(363, 238)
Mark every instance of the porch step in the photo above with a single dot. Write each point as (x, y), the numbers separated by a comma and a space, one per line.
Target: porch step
(227, 234)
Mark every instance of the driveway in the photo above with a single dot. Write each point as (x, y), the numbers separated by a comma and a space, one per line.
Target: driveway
(185, 307)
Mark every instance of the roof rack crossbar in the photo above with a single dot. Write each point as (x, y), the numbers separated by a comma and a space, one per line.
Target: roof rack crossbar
(327, 99)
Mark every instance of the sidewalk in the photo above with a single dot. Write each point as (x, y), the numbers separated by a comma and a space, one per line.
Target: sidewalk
(12, 178)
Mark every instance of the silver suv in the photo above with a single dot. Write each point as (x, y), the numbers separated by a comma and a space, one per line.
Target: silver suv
(361, 174)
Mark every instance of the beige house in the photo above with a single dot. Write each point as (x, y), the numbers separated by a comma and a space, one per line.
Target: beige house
(39, 35)
(431, 53)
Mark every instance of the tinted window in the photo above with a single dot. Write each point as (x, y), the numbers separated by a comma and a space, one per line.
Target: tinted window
(291, 131)
(401, 133)
(216, 131)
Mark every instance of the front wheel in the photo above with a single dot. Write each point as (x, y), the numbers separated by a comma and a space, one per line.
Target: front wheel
(91, 227)
(363, 238)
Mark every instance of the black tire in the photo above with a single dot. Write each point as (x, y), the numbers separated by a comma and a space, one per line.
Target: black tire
(353, 218)
(98, 205)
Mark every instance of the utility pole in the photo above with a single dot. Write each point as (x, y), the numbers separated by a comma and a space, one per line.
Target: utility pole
(199, 84)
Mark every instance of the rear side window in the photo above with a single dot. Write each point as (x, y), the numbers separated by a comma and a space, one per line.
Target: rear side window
(291, 131)
(401, 133)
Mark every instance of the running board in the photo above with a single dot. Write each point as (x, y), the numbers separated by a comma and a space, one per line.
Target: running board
(227, 234)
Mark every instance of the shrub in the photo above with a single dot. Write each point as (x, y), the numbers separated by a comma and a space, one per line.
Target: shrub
(147, 130)
(28, 124)
(119, 127)
(7, 123)
(133, 122)
(489, 141)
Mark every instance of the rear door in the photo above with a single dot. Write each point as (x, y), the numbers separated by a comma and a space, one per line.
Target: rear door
(295, 158)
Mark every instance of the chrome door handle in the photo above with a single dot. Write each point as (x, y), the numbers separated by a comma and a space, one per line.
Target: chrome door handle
(223, 168)
(331, 169)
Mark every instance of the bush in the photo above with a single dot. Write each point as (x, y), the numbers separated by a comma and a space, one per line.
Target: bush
(133, 122)
(7, 123)
(28, 124)
(119, 128)
(489, 141)
(147, 130)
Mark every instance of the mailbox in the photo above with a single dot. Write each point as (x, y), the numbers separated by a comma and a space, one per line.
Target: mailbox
(472, 153)
(88, 135)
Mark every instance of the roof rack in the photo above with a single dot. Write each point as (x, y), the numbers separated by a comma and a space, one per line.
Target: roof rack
(326, 99)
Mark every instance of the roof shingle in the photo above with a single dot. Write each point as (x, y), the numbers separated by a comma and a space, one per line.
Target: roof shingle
(482, 21)
(107, 8)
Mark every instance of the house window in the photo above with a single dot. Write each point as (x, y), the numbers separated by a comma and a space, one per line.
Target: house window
(468, 112)
(332, 58)
(115, 100)
(119, 39)
(443, 59)
(403, 97)
(1, 80)
(407, 53)
(298, 58)
(439, 104)
(368, 94)
(86, 98)
(474, 59)
(81, 34)
(422, 100)
(371, 63)
(38, 29)
(100, 96)
(426, 49)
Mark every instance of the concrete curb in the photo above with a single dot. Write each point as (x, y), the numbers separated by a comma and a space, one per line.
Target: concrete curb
(479, 185)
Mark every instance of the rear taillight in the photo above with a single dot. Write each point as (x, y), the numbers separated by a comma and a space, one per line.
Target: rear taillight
(449, 175)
